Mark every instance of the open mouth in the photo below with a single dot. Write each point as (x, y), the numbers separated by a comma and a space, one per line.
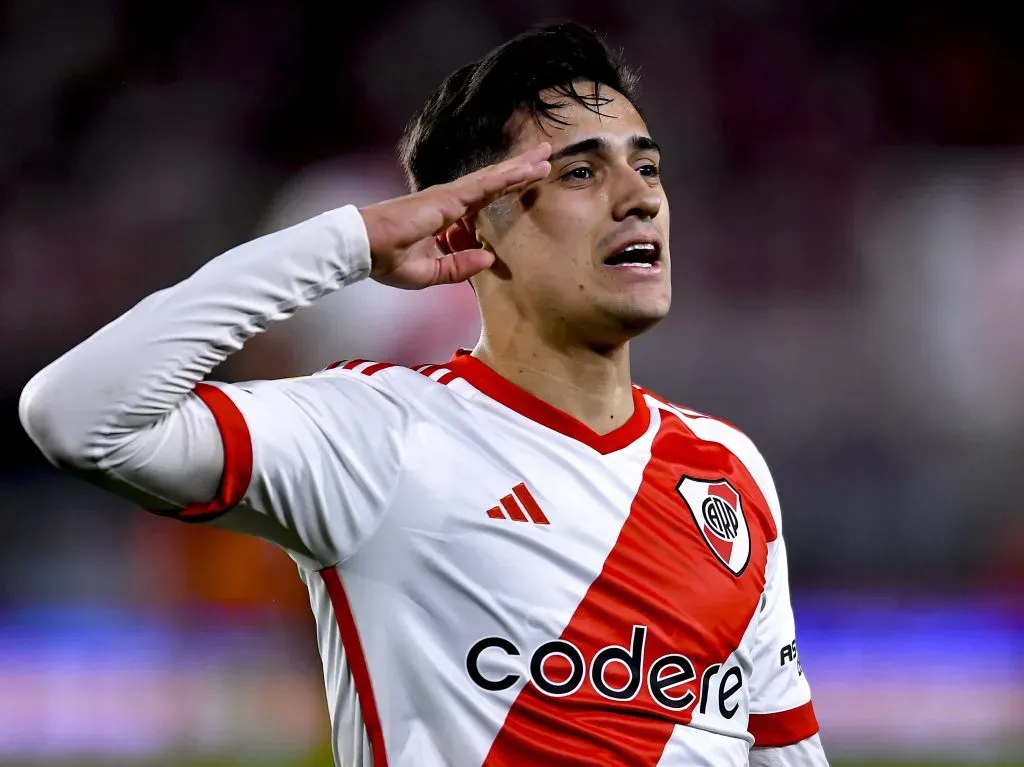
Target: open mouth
(640, 254)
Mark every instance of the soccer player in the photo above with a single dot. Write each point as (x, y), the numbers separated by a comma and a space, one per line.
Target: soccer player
(516, 557)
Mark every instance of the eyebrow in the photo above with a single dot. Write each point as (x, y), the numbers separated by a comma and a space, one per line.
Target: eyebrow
(637, 143)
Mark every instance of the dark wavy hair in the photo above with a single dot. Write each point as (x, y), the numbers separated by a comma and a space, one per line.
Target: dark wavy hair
(467, 122)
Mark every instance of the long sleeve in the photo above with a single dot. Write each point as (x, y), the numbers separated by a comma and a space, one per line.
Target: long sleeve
(125, 409)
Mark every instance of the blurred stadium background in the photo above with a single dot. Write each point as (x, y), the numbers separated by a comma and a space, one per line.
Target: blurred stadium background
(847, 184)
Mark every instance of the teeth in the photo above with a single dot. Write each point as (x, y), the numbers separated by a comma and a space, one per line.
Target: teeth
(646, 250)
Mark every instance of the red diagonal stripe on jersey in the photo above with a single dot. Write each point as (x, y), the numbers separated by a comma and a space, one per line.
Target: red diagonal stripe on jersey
(526, 498)
(357, 664)
(508, 503)
(660, 574)
(429, 370)
(784, 728)
(495, 513)
(351, 364)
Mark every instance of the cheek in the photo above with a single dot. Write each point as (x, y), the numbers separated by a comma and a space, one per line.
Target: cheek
(568, 234)
(554, 240)
(570, 213)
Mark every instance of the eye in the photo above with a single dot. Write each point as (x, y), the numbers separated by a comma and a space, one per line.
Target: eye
(579, 173)
(650, 170)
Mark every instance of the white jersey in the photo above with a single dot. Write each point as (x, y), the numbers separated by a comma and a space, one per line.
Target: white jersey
(504, 586)
(493, 582)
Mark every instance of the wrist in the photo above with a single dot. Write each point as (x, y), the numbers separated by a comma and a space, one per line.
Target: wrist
(349, 242)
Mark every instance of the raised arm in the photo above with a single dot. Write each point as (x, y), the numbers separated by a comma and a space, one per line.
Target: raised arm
(129, 381)
(125, 409)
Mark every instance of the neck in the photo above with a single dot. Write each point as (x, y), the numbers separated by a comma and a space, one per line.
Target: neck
(594, 387)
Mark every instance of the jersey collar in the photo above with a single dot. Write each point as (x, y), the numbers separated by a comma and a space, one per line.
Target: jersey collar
(511, 396)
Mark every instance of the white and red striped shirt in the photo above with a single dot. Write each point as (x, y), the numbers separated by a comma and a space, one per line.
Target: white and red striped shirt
(493, 582)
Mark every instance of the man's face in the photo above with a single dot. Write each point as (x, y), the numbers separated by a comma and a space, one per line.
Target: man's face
(585, 251)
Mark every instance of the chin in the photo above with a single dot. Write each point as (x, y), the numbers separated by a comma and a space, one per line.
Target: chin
(637, 323)
(613, 321)
(636, 318)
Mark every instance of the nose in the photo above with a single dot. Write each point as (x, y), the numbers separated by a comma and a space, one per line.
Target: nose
(634, 196)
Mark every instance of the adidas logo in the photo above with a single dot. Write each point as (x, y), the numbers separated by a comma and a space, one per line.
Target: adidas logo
(519, 506)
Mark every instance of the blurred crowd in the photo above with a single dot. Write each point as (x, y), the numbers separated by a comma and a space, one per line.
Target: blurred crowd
(847, 189)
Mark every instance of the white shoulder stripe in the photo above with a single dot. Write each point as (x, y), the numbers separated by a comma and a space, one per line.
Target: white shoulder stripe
(711, 429)
(682, 412)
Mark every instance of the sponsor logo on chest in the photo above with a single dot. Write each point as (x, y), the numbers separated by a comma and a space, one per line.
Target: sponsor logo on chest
(617, 673)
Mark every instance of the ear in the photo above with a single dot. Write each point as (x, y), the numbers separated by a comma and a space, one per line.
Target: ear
(471, 224)
(492, 222)
(456, 238)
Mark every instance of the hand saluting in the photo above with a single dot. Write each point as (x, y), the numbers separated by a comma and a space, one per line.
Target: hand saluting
(407, 243)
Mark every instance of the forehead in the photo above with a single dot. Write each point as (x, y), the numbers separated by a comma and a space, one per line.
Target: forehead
(608, 115)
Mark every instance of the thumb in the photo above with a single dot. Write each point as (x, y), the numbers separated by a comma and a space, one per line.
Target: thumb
(463, 264)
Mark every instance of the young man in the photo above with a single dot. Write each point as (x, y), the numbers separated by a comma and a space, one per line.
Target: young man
(517, 557)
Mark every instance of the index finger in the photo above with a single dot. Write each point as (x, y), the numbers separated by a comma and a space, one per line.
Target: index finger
(481, 187)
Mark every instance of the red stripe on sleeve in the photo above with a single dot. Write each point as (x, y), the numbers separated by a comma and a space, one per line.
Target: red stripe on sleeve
(783, 728)
(237, 443)
(357, 664)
